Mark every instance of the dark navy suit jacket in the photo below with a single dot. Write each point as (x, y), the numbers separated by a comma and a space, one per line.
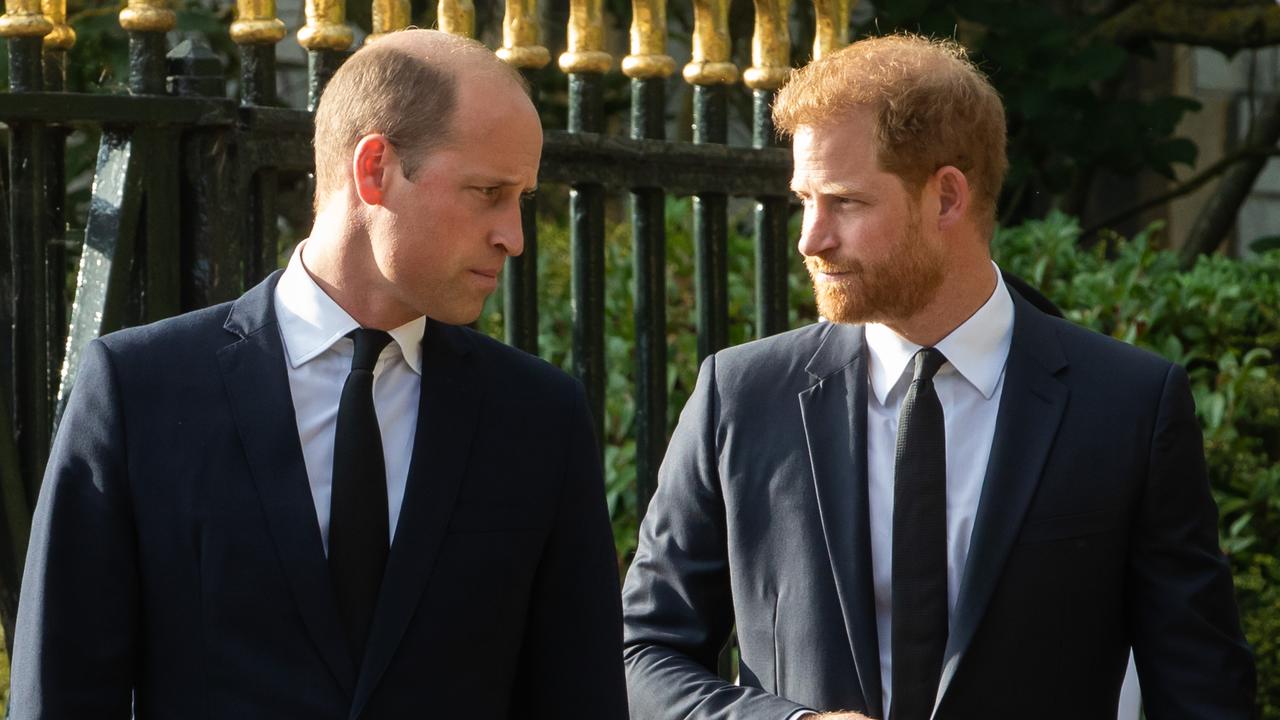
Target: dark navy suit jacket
(176, 566)
(1095, 531)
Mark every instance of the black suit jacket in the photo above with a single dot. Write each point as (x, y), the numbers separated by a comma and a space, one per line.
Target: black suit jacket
(176, 563)
(1095, 530)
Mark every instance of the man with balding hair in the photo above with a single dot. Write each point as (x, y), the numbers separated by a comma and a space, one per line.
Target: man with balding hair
(940, 502)
(326, 500)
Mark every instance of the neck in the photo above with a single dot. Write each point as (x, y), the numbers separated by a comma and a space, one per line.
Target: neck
(964, 290)
(339, 258)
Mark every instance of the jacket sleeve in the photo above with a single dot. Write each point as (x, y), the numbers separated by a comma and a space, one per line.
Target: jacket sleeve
(571, 661)
(677, 603)
(1191, 655)
(76, 643)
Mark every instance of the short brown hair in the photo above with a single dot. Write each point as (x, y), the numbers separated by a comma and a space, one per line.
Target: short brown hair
(387, 88)
(932, 108)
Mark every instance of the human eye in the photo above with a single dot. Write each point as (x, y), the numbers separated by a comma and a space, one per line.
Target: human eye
(488, 192)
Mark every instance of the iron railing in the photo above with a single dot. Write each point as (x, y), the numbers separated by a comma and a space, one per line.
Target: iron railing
(184, 199)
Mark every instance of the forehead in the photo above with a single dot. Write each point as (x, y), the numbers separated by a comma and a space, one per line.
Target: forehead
(839, 150)
(848, 141)
(495, 130)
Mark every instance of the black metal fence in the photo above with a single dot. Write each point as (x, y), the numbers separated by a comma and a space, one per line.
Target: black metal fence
(183, 205)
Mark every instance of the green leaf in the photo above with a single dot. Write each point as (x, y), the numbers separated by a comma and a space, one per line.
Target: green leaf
(1095, 63)
(1265, 244)
(1175, 151)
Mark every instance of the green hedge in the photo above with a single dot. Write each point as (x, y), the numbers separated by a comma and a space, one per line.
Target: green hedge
(1221, 320)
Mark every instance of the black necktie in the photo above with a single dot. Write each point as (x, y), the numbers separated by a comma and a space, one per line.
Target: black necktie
(358, 526)
(919, 619)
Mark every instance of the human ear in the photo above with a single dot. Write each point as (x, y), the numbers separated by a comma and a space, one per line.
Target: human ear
(953, 195)
(370, 162)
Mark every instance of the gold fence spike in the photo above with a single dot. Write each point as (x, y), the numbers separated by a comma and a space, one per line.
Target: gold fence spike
(520, 48)
(832, 31)
(457, 17)
(62, 37)
(586, 39)
(770, 46)
(326, 27)
(23, 18)
(648, 58)
(388, 17)
(256, 23)
(148, 16)
(710, 64)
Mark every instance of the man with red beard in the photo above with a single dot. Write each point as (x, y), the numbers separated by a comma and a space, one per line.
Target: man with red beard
(940, 502)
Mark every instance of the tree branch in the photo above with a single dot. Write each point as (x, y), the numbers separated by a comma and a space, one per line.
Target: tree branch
(1219, 214)
(96, 12)
(1194, 183)
(1226, 27)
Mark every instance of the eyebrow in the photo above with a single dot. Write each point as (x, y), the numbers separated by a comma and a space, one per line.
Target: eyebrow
(493, 180)
(829, 188)
(490, 180)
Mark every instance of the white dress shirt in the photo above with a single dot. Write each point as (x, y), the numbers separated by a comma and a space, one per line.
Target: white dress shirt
(318, 356)
(969, 387)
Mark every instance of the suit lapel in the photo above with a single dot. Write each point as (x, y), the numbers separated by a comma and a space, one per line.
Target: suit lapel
(835, 425)
(447, 414)
(257, 385)
(1031, 408)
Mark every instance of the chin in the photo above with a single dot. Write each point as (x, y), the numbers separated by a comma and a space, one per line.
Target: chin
(457, 316)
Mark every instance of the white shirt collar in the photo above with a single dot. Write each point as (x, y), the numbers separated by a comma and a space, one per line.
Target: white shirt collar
(311, 322)
(977, 349)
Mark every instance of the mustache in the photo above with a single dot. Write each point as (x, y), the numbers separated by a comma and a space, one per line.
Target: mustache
(817, 265)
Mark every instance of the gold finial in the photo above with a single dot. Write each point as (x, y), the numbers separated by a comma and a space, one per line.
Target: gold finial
(520, 46)
(457, 17)
(648, 58)
(586, 39)
(832, 32)
(770, 46)
(256, 23)
(326, 27)
(23, 18)
(710, 64)
(62, 37)
(388, 17)
(148, 16)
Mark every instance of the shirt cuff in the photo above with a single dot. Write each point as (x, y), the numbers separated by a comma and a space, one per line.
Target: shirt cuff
(801, 713)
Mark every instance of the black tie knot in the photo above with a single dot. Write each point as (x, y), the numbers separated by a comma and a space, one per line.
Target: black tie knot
(928, 362)
(369, 345)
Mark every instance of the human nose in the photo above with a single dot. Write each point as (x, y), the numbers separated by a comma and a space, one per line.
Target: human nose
(508, 236)
(816, 235)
